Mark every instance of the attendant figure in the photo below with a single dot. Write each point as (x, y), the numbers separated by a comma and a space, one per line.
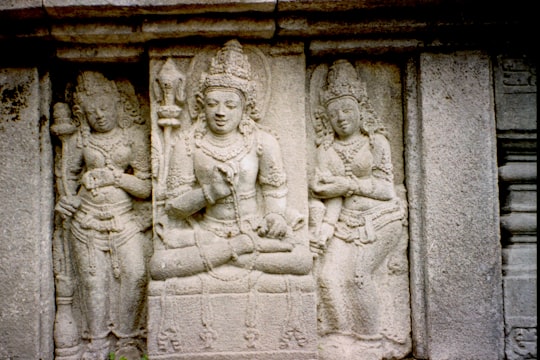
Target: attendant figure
(362, 221)
(107, 167)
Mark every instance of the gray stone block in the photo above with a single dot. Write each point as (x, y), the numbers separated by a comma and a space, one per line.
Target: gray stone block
(457, 243)
(27, 302)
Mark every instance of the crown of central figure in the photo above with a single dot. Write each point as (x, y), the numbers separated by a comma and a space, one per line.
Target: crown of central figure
(230, 68)
(342, 80)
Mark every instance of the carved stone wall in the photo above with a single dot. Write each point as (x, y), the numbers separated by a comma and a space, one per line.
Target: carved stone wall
(515, 91)
(267, 180)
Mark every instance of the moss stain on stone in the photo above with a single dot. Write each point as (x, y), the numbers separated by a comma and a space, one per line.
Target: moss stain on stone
(12, 99)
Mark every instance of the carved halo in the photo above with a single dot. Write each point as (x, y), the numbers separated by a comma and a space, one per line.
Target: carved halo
(316, 109)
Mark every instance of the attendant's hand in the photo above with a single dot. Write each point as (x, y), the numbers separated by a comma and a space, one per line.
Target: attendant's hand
(97, 178)
(326, 232)
(318, 244)
(67, 205)
(331, 187)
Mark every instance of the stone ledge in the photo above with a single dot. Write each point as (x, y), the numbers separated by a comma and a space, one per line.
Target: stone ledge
(21, 9)
(347, 5)
(372, 46)
(118, 8)
(142, 30)
(138, 21)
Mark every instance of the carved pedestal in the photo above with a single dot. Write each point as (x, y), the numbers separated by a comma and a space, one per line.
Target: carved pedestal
(271, 319)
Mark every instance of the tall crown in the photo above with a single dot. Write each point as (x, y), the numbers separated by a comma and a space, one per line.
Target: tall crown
(342, 80)
(230, 68)
(92, 82)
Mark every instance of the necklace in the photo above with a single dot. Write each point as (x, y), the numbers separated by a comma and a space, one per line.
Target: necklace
(347, 150)
(224, 150)
(106, 144)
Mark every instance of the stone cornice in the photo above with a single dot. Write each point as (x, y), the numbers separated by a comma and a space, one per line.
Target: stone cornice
(349, 26)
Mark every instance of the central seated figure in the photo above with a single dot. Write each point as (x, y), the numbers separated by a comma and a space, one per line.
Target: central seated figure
(228, 270)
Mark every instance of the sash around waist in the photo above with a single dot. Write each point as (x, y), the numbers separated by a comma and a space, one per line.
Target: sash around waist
(360, 226)
(355, 218)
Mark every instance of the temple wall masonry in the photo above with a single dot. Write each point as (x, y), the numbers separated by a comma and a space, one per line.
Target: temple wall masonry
(267, 180)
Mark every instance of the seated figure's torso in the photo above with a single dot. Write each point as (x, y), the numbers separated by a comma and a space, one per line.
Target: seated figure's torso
(246, 165)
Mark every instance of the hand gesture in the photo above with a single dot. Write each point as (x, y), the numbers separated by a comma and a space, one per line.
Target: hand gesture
(326, 232)
(331, 186)
(224, 177)
(97, 178)
(67, 205)
(273, 226)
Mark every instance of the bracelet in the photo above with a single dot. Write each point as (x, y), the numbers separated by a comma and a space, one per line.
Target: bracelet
(207, 195)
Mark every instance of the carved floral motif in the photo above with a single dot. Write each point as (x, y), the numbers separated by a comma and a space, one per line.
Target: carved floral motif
(521, 343)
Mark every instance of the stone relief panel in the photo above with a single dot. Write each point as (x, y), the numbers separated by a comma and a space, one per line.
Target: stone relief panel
(101, 242)
(516, 105)
(246, 258)
(358, 213)
(231, 268)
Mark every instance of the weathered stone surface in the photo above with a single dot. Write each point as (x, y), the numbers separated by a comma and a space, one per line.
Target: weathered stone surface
(515, 91)
(97, 33)
(298, 25)
(231, 266)
(100, 242)
(22, 9)
(327, 47)
(347, 5)
(358, 211)
(455, 304)
(459, 208)
(520, 300)
(413, 160)
(25, 240)
(105, 8)
(101, 53)
(209, 27)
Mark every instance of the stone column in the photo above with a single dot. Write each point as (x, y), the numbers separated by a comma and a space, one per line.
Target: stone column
(452, 178)
(26, 281)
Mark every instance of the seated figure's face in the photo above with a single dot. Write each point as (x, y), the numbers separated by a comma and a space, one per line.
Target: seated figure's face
(223, 109)
(344, 116)
(100, 112)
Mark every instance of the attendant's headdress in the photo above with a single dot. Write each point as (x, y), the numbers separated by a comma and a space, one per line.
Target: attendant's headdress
(342, 80)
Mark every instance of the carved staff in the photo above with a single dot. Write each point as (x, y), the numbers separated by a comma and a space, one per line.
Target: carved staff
(171, 83)
(66, 334)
